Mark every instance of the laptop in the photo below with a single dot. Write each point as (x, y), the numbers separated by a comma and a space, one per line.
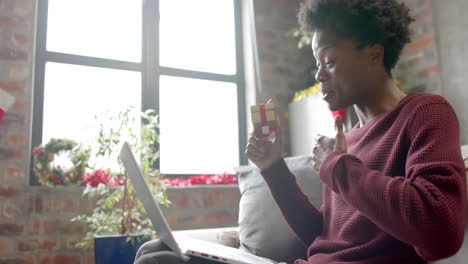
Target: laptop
(182, 246)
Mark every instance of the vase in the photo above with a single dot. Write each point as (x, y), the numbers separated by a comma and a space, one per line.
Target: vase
(116, 249)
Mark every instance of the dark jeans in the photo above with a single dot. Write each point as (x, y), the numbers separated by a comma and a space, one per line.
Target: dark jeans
(156, 252)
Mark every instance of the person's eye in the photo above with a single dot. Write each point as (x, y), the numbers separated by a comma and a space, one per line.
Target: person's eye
(330, 64)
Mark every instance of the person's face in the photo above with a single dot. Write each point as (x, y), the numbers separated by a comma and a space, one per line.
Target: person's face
(344, 72)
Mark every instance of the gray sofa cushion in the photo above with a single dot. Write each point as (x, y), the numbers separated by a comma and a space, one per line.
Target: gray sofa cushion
(263, 230)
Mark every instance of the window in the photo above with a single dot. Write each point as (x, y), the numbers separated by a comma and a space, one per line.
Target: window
(182, 58)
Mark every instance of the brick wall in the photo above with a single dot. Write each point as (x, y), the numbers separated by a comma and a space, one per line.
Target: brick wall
(35, 226)
(420, 57)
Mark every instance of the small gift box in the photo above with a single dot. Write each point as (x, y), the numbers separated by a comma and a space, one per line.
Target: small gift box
(264, 119)
(6, 101)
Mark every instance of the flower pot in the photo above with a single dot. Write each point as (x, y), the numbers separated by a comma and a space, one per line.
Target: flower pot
(115, 249)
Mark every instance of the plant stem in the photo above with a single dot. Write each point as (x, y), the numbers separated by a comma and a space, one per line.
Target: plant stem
(124, 204)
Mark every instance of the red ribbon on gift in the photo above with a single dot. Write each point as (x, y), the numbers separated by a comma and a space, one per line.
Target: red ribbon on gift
(263, 117)
(264, 122)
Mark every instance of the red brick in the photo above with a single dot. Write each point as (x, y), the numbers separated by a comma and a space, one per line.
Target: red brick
(16, 139)
(72, 228)
(9, 229)
(14, 173)
(38, 204)
(196, 200)
(11, 87)
(49, 245)
(214, 199)
(19, 72)
(51, 226)
(420, 43)
(89, 259)
(20, 39)
(33, 227)
(8, 191)
(22, 7)
(217, 218)
(6, 21)
(68, 206)
(6, 247)
(182, 221)
(61, 259)
(233, 198)
(28, 245)
(64, 228)
(55, 206)
(20, 104)
(183, 201)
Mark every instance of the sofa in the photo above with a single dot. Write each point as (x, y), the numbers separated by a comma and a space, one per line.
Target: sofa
(262, 229)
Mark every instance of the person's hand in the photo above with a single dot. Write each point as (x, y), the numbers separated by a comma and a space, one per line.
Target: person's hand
(325, 145)
(264, 152)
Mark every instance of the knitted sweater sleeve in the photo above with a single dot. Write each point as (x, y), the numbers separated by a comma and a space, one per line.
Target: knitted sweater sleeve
(424, 208)
(302, 216)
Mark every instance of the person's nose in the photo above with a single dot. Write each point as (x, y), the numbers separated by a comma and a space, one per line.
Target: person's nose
(321, 75)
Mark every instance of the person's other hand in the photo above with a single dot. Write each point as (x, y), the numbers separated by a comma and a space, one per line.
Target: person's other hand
(265, 152)
(325, 145)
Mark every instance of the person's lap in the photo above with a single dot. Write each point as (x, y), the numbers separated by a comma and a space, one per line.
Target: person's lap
(156, 252)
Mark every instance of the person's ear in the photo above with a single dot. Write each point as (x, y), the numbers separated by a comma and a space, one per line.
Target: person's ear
(376, 53)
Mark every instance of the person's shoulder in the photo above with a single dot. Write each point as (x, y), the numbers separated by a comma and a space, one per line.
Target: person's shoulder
(417, 100)
(428, 108)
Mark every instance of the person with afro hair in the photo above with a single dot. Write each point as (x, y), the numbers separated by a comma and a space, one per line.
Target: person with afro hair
(394, 186)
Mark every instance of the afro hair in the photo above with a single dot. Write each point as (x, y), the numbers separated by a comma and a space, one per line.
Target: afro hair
(366, 22)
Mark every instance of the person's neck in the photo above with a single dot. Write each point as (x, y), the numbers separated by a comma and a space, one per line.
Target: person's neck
(384, 99)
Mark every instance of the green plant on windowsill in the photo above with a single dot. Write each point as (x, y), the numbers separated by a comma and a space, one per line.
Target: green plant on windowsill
(118, 210)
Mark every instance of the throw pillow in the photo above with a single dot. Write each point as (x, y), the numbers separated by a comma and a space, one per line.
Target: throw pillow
(263, 230)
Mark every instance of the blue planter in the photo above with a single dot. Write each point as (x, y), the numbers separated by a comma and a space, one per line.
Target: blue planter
(115, 249)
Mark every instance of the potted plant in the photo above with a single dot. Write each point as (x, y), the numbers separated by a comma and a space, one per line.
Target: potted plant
(118, 223)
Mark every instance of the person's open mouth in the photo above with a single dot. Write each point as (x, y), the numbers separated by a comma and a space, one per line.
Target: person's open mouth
(328, 96)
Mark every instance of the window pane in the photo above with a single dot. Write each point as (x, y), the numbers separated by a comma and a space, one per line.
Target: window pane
(199, 126)
(198, 35)
(75, 95)
(106, 28)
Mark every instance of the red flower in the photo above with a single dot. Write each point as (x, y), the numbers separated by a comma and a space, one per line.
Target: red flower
(223, 178)
(97, 177)
(55, 179)
(116, 181)
(37, 150)
(176, 181)
(202, 179)
(198, 179)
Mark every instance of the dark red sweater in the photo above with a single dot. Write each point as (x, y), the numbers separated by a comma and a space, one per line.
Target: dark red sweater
(397, 196)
